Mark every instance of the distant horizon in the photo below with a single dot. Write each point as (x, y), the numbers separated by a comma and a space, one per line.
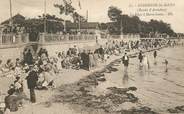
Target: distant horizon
(97, 10)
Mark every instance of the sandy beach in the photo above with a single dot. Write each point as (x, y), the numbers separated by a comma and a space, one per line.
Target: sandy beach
(107, 89)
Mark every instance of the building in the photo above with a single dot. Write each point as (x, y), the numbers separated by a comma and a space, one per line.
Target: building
(85, 27)
(17, 21)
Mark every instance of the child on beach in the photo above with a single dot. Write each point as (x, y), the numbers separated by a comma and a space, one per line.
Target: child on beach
(18, 85)
(166, 63)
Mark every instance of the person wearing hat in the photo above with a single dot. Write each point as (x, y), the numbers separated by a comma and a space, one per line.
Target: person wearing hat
(32, 79)
(11, 100)
(18, 85)
(17, 62)
(101, 52)
(140, 57)
(29, 58)
(26, 68)
(125, 61)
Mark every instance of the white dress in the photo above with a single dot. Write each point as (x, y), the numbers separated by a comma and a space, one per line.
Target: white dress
(59, 66)
(146, 62)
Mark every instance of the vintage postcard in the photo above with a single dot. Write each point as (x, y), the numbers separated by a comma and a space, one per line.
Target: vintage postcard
(91, 57)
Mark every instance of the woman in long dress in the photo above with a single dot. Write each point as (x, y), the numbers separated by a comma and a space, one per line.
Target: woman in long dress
(146, 63)
(91, 60)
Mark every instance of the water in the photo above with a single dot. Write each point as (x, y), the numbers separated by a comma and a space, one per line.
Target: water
(157, 89)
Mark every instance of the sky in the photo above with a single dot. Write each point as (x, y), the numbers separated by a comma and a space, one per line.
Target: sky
(97, 9)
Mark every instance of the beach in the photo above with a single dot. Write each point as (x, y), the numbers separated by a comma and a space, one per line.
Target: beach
(91, 57)
(156, 89)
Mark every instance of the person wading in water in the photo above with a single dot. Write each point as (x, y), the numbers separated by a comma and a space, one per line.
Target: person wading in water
(155, 56)
(125, 61)
(146, 63)
(140, 57)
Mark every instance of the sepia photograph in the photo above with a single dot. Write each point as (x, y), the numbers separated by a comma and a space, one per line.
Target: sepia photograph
(91, 57)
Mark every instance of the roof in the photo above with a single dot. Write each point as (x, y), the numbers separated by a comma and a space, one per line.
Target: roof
(84, 25)
(18, 18)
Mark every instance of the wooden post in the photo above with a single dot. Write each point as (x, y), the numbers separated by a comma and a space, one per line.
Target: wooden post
(45, 20)
(19, 38)
(27, 38)
(42, 38)
(1, 36)
(79, 24)
(11, 21)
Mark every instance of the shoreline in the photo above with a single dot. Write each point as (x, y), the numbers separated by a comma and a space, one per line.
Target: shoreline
(92, 80)
(97, 70)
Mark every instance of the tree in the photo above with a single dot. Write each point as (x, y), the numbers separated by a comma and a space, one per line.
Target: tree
(134, 25)
(130, 24)
(68, 9)
(161, 27)
(76, 18)
(65, 8)
(54, 24)
(34, 26)
(114, 13)
(103, 26)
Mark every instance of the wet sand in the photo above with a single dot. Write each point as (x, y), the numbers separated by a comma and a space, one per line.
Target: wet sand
(155, 88)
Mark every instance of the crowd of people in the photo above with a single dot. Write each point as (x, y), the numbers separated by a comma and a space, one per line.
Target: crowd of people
(144, 62)
(40, 71)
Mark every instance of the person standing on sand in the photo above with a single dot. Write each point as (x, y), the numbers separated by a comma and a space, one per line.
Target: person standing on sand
(29, 58)
(10, 100)
(125, 61)
(91, 60)
(101, 52)
(85, 60)
(32, 79)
